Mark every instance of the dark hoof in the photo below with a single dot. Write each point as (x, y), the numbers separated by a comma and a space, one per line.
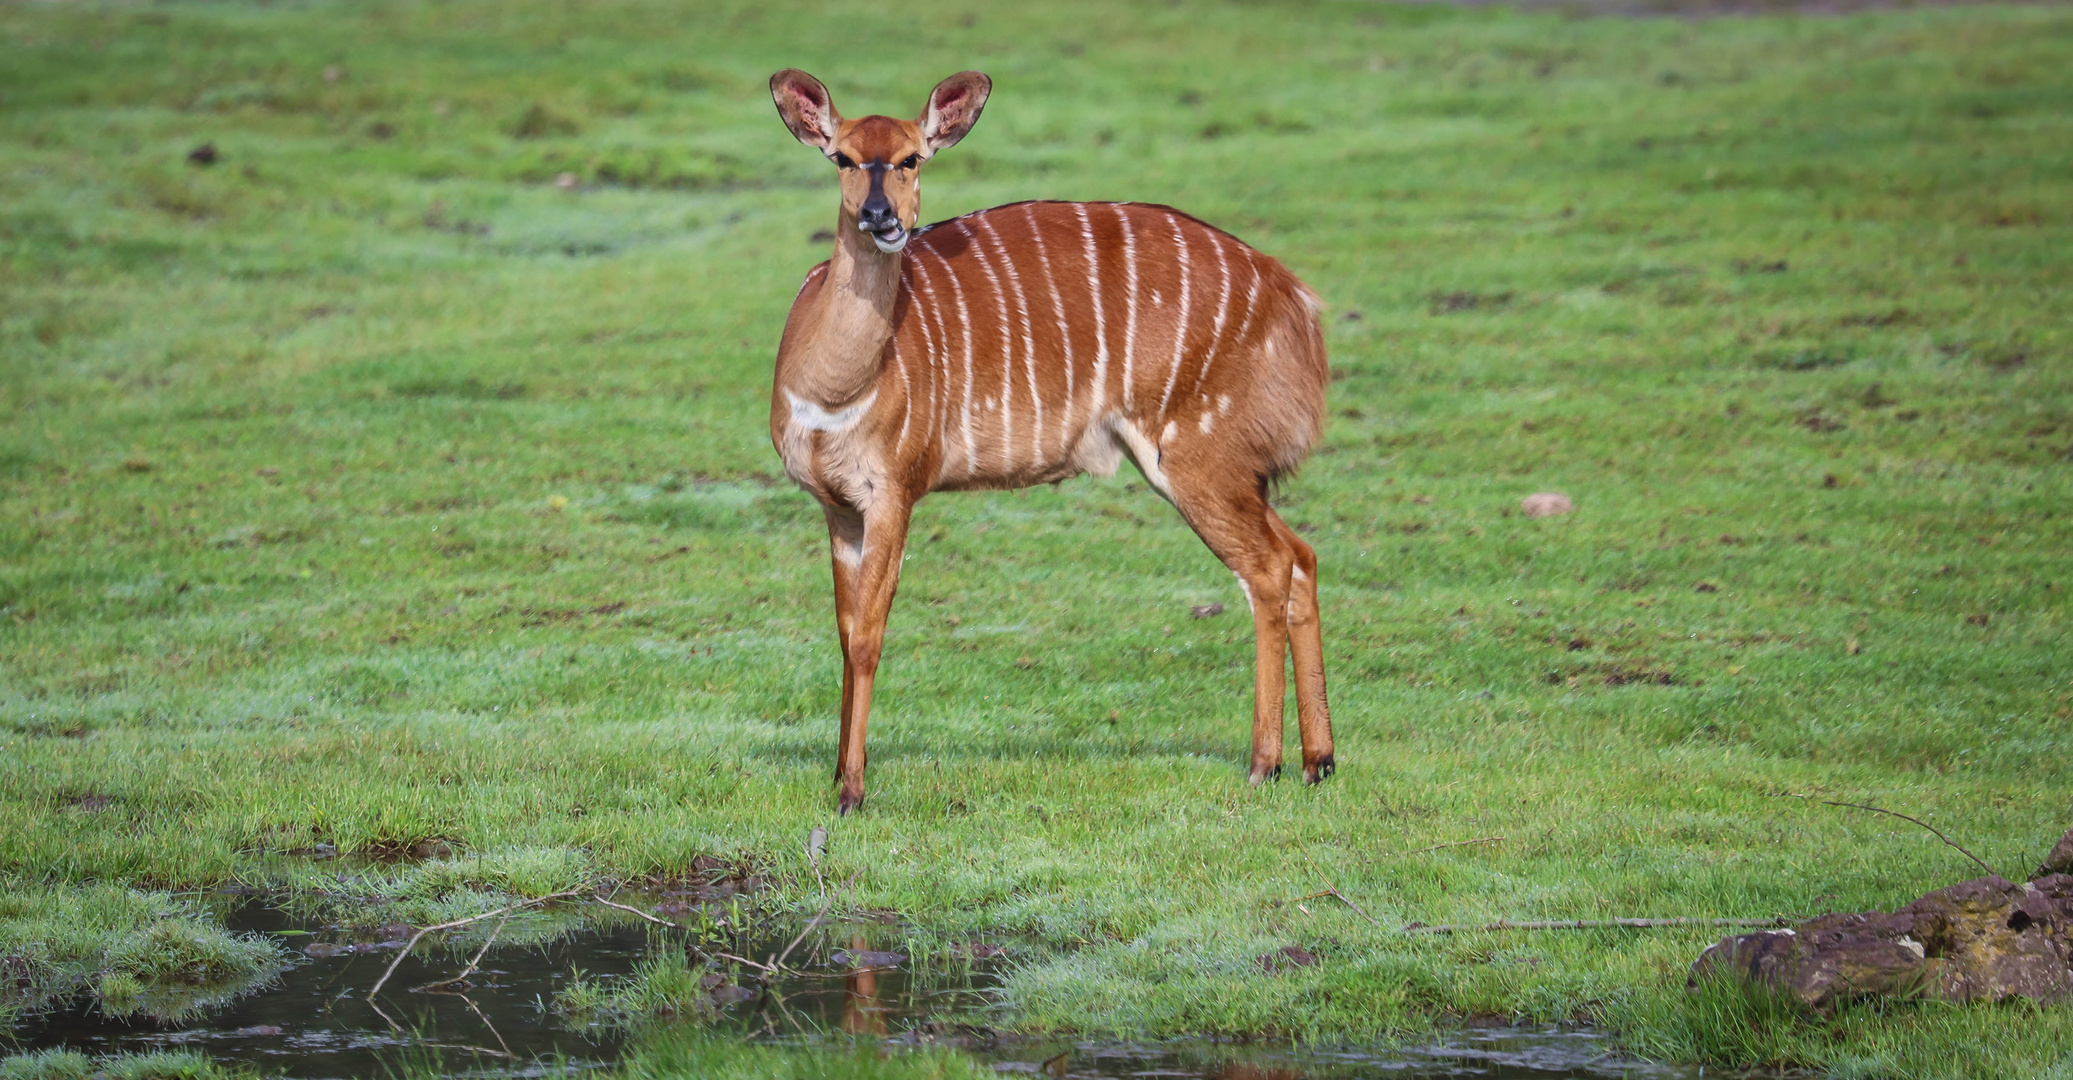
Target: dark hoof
(1262, 775)
(848, 802)
(1317, 773)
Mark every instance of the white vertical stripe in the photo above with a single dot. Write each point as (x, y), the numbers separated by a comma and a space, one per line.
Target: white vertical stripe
(1223, 307)
(1000, 298)
(938, 374)
(1180, 332)
(1057, 312)
(1130, 294)
(964, 317)
(1036, 398)
(1252, 291)
(906, 386)
(1100, 323)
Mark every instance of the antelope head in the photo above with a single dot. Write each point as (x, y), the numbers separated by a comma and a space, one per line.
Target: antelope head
(878, 157)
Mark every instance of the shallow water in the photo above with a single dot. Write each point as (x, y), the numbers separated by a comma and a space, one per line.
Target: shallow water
(314, 1020)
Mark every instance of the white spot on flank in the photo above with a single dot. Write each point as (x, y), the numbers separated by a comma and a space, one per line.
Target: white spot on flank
(813, 417)
(1208, 419)
(1223, 404)
(1166, 436)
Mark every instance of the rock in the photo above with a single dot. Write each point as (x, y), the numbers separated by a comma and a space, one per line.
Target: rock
(1546, 504)
(2060, 861)
(1988, 939)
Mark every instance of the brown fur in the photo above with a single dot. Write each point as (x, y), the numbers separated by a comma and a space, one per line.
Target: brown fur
(1030, 343)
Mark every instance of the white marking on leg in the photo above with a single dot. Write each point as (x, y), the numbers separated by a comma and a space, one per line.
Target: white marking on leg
(1145, 454)
(1246, 587)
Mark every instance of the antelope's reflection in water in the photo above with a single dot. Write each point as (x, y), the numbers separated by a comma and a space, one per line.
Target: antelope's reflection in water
(861, 1012)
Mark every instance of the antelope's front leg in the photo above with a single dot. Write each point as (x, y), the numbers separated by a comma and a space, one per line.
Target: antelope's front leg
(883, 541)
(845, 548)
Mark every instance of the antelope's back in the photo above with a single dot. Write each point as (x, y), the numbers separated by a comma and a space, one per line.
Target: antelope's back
(1024, 329)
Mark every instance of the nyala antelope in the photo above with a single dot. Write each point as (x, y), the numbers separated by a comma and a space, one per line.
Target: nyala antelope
(1028, 344)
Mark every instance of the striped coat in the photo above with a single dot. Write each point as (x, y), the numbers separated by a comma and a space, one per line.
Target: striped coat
(1039, 340)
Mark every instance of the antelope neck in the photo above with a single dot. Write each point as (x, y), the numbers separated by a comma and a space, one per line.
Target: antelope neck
(853, 321)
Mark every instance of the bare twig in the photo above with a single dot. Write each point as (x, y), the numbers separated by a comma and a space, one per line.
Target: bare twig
(639, 912)
(1456, 843)
(455, 924)
(1589, 924)
(1332, 890)
(473, 961)
(807, 929)
(1895, 813)
(745, 960)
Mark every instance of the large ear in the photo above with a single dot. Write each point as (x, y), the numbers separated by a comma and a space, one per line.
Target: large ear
(953, 108)
(804, 105)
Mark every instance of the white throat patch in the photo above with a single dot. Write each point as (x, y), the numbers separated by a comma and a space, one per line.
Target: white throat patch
(811, 416)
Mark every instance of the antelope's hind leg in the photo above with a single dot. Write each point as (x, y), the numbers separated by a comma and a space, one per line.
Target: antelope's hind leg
(1306, 649)
(1241, 529)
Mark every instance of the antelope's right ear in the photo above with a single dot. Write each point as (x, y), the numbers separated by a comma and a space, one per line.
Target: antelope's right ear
(804, 105)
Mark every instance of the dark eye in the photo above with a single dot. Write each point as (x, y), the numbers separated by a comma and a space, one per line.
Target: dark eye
(911, 161)
(842, 161)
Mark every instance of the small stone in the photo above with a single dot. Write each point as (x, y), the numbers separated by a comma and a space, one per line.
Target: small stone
(1546, 504)
(566, 181)
(1205, 611)
(204, 155)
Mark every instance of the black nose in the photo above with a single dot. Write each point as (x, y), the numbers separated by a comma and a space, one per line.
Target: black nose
(877, 215)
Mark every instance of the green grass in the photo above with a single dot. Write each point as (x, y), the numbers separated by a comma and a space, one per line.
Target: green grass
(366, 487)
(71, 1065)
(130, 952)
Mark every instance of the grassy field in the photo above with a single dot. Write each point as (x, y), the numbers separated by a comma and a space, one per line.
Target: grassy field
(403, 475)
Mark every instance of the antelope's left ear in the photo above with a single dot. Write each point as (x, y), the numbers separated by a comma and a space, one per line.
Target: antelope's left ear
(953, 108)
